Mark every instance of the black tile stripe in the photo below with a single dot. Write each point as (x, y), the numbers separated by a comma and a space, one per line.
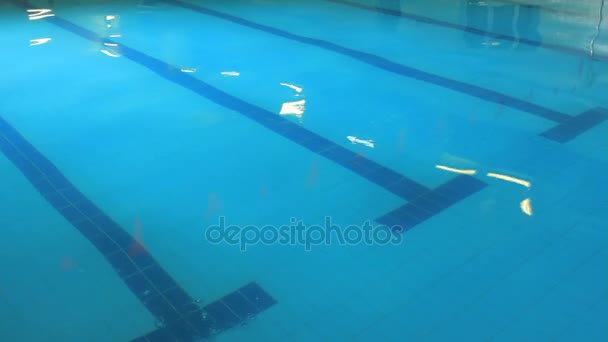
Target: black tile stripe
(387, 65)
(170, 303)
(233, 309)
(153, 286)
(468, 29)
(390, 66)
(110, 239)
(164, 298)
(577, 125)
(384, 177)
(431, 203)
(381, 175)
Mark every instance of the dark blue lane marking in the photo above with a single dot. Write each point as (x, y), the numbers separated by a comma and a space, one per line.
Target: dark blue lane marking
(366, 168)
(148, 281)
(431, 203)
(387, 65)
(234, 309)
(577, 125)
(162, 295)
(382, 176)
(468, 29)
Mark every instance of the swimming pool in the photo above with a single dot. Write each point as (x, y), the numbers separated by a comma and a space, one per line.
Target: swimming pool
(446, 160)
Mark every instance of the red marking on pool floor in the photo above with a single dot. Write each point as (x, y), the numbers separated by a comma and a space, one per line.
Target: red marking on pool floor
(137, 246)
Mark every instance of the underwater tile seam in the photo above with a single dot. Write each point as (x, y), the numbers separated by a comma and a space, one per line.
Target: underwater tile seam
(468, 29)
(179, 315)
(575, 125)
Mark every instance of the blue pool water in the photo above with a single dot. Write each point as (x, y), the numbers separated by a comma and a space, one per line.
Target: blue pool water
(471, 135)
